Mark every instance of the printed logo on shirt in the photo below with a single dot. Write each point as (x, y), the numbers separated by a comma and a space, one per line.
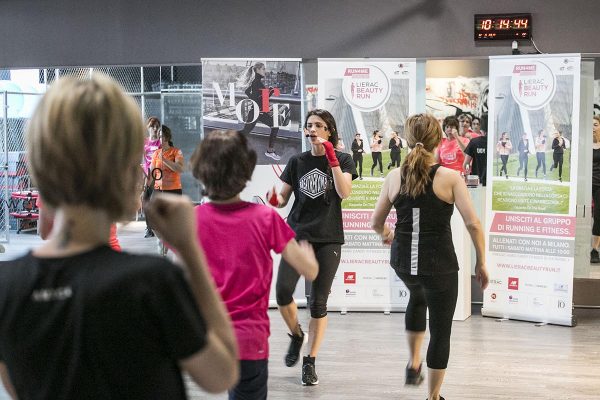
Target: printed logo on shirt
(313, 183)
(52, 294)
(350, 277)
(513, 283)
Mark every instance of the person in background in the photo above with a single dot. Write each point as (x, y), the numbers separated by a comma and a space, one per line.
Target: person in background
(465, 130)
(376, 148)
(104, 324)
(476, 126)
(594, 257)
(540, 152)
(251, 81)
(224, 164)
(450, 151)
(422, 253)
(503, 148)
(357, 153)
(523, 148)
(151, 144)
(316, 216)
(395, 145)
(169, 160)
(558, 151)
(476, 158)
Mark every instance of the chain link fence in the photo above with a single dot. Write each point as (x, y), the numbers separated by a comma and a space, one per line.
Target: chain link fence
(171, 93)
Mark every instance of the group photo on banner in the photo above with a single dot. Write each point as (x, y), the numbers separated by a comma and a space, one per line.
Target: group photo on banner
(531, 200)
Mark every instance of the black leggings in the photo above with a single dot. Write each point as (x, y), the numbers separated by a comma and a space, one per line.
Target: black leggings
(254, 376)
(377, 159)
(328, 257)
(395, 156)
(541, 161)
(558, 162)
(265, 118)
(358, 158)
(504, 158)
(439, 294)
(523, 161)
(596, 198)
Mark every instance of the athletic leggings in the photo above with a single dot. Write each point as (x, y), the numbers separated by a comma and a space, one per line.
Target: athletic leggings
(523, 161)
(395, 157)
(439, 294)
(265, 118)
(596, 198)
(358, 159)
(328, 257)
(558, 162)
(504, 159)
(541, 161)
(377, 158)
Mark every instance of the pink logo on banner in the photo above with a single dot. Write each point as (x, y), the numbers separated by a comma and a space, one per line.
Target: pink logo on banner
(527, 69)
(357, 72)
(361, 220)
(542, 225)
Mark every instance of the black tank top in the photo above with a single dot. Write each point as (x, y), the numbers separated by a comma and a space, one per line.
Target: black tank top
(423, 238)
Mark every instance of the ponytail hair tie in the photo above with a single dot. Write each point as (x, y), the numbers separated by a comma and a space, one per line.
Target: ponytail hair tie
(419, 144)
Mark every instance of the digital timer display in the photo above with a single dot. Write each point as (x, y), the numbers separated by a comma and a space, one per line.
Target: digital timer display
(502, 26)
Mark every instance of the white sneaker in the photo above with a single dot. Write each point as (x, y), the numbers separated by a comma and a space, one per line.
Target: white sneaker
(273, 155)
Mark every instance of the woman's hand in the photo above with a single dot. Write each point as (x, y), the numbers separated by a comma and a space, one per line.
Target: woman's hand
(481, 275)
(387, 237)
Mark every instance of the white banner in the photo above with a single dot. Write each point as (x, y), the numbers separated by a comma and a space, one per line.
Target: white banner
(274, 124)
(363, 96)
(532, 187)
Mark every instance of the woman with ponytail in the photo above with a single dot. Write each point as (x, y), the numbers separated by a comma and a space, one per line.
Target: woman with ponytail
(422, 254)
(251, 82)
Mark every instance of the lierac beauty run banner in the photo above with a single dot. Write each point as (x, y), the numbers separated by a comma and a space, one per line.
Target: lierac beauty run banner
(263, 99)
(364, 96)
(534, 118)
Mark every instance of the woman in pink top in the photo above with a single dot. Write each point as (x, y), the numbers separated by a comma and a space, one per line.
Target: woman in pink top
(224, 163)
(450, 150)
(151, 143)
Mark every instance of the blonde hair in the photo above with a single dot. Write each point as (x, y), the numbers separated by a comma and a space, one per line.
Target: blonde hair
(84, 144)
(597, 135)
(423, 134)
(247, 77)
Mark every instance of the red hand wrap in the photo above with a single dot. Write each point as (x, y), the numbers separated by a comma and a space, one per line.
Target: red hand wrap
(272, 198)
(330, 154)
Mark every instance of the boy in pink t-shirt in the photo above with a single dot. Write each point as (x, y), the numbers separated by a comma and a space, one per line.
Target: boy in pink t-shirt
(238, 237)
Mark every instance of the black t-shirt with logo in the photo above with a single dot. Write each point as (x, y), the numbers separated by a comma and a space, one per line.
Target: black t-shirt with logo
(316, 214)
(98, 325)
(477, 150)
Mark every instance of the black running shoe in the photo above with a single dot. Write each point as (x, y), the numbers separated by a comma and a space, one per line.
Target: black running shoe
(293, 353)
(441, 398)
(149, 233)
(413, 376)
(309, 375)
(594, 257)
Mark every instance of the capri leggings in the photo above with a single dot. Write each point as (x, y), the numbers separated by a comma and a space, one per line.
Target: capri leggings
(328, 257)
(596, 199)
(439, 294)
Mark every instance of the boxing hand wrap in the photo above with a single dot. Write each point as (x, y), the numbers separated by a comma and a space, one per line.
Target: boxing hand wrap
(272, 198)
(330, 154)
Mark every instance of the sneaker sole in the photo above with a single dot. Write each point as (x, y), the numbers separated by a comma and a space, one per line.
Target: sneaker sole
(309, 384)
(299, 352)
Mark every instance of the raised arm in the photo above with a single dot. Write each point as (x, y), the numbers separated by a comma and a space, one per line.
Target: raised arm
(175, 165)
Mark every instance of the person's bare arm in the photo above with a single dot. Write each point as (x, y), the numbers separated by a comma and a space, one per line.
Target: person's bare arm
(342, 182)
(176, 166)
(284, 196)
(383, 207)
(301, 257)
(215, 367)
(462, 200)
(10, 389)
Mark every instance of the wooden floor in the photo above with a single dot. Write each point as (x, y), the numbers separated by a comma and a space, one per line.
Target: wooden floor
(364, 354)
